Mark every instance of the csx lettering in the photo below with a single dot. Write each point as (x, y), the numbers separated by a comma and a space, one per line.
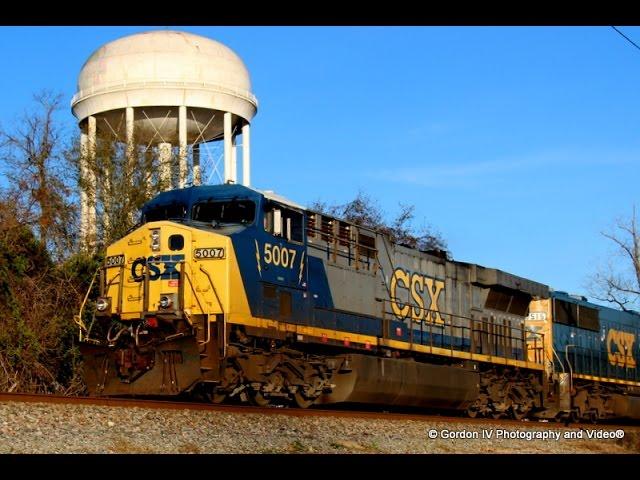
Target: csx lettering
(279, 256)
(417, 285)
(152, 264)
(620, 348)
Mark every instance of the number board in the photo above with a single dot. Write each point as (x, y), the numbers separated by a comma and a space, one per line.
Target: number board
(114, 261)
(208, 253)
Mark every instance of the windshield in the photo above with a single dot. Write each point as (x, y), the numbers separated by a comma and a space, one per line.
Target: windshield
(231, 211)
(165, 212)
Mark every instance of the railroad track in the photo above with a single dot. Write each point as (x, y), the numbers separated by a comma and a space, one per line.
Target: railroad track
(294, 412)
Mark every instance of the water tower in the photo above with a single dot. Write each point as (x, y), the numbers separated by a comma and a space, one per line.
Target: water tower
(168, 93)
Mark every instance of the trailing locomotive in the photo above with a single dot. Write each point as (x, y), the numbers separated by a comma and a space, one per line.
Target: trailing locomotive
(592, 354)
(228, 292)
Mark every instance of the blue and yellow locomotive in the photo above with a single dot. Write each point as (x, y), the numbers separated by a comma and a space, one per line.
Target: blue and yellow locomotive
(592, 353)
(234, 293)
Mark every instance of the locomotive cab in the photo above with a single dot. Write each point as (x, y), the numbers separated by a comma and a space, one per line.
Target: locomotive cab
(167, 290)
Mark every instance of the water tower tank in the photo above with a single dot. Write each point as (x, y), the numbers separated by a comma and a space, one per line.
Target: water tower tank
(165, 90)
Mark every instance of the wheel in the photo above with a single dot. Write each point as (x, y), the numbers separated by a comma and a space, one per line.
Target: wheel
(259, 400)
(518, 414)
(472, 413)
(593, 417)
(218, 398)
(209, 395)
(574, 417)
(302, 401)
(496, 415)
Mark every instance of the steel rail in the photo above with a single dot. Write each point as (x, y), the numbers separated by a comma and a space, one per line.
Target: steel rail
(293, 412)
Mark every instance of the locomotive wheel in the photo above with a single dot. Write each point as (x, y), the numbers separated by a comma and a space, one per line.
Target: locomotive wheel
(302, 401)
(259, 400)
(218, 398)
(209, 394)
(472, 413)
(518, 414)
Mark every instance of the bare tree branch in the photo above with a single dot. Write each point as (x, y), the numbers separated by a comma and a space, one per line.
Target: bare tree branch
(363, 210)
(619, 283)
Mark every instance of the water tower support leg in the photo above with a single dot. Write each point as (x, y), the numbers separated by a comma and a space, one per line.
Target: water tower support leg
(182, 144)
(90, 156)
(84, 189)
(228, 176)
(131, 152)
(197, 176)
(131, 148)
(234, 160)
(246, 156)
(164, 157)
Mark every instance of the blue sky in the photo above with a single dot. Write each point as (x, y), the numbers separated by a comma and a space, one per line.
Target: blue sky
(518, 144)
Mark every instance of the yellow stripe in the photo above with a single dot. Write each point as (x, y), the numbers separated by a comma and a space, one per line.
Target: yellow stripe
(604, 379)
(357, 338)
(304, 329)
(460, 354)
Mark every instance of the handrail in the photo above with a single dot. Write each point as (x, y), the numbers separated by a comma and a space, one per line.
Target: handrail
(224, 322)
(566, 355)
(214, 288)
(470, 326)
(195, 294)
(559, 359)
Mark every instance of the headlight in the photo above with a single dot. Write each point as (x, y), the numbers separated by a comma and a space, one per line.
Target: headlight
(155, 239)
(165, 301)
(102, 304)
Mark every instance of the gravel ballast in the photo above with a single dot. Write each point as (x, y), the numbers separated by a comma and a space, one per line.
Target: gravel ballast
(60, 428)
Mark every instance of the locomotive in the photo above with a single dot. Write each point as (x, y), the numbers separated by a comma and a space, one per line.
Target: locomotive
(231, 293)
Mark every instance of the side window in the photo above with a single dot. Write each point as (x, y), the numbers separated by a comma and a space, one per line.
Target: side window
(284, 222)
(292, 225)
(566, 312)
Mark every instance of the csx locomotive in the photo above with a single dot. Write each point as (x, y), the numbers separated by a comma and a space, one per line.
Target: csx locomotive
(228, 292)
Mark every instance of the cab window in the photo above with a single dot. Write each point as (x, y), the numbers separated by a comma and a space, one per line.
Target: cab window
(225, 212)
(284, 222)
(165, 212)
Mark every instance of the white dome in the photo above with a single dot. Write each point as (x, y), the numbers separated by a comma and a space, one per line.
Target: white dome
(164, 68)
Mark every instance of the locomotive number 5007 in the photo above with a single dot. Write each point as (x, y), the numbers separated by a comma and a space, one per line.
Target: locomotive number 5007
(279, 256)
(202, 253)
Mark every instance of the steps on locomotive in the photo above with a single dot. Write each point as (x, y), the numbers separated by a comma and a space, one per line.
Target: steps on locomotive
(207, 347)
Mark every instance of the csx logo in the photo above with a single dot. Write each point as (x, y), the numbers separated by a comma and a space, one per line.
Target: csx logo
(418, 285)
(153, 263)
(620, 348)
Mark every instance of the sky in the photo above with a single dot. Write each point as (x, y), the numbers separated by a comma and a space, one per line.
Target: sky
(520, 145)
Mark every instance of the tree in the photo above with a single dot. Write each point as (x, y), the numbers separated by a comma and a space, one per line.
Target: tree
(363, 210)
(619, 281)
(124, 181)
(37, 301)
(32, 154)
